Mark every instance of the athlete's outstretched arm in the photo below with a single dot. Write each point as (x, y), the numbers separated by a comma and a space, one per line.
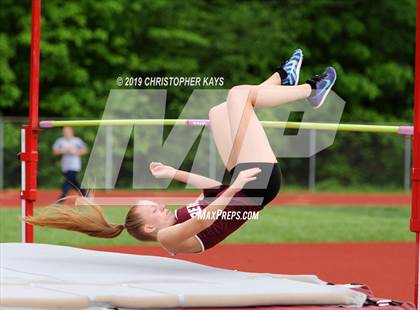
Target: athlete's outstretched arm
(173, 238)
(162, 171)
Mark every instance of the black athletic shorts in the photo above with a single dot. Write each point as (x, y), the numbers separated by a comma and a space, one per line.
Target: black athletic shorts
(265, 187)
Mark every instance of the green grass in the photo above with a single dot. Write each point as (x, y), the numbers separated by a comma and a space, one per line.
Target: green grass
(334, 187)
(275, 225)
(327, 224)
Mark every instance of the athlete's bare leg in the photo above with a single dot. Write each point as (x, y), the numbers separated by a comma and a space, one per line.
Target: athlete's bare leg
(222, 135)
(226, 117)
(220, 129)
(250, 143)
(267, 96)
(272, 80)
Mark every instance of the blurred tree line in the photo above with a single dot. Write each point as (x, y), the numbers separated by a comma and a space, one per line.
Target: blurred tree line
(86, 44)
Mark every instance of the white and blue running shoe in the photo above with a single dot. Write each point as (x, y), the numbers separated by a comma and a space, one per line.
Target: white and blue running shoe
(321, 86)
(291, 69)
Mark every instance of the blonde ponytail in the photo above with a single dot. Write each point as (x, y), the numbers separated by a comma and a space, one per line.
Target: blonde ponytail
(90, 221)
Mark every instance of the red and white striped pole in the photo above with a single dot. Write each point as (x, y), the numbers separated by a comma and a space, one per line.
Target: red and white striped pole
(29, 152)
(415, 203)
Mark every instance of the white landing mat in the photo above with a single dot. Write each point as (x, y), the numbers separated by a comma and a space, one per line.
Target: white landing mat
(50, 276)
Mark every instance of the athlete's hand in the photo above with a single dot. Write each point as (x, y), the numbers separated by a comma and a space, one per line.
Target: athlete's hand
(244, 177)
(161, 171)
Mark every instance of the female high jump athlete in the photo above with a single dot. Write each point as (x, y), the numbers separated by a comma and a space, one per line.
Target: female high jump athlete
(244, 149)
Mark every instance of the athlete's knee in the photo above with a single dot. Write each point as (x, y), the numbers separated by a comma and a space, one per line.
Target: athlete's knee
(239, 89)
(215, 110)
(243, 93)
(212, 111)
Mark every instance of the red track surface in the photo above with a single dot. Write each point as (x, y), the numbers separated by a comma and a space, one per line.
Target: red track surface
(387, 268)
(11, 198)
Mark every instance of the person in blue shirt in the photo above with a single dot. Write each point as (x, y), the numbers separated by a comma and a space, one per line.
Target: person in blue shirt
(70, 148)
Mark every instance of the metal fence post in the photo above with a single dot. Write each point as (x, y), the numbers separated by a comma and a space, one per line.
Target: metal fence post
(212, 158)
(23, 182)
(312, 160)
(108, 157)
(407, 163)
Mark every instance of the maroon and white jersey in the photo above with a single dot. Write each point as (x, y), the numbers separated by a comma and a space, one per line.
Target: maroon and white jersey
(222, 227)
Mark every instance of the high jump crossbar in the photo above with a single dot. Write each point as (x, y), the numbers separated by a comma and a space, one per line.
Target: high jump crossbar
(402, 130)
